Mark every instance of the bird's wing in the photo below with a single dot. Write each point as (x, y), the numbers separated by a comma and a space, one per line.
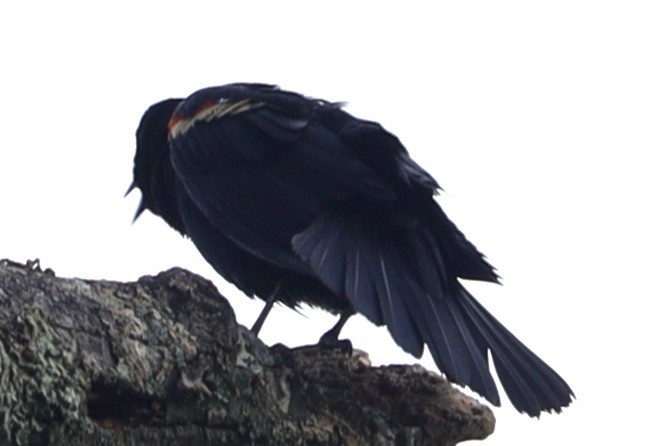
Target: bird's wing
(384, 153)
(260, 171)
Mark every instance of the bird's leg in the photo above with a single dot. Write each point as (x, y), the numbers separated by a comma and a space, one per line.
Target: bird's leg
(331, 337)
(265, 311)
(330, 340)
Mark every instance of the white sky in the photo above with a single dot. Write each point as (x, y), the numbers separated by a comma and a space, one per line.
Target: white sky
(545, 122)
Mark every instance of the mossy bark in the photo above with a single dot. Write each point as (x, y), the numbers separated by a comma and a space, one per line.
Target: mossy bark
(163, 361)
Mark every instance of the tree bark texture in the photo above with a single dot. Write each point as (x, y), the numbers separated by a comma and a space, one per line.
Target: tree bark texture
(162, 361)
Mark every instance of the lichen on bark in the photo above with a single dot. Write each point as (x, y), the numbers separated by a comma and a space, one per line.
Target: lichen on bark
(163, 361)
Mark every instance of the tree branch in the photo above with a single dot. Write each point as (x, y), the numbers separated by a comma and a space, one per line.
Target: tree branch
(163, 361)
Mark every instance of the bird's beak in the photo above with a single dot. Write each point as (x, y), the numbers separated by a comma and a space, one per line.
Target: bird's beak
(132, 186)
(139, 211)
(141, 206)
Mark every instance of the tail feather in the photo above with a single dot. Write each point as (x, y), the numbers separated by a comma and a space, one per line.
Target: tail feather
(403, 281)
(457, 350)
(366, 270)
(532, 385)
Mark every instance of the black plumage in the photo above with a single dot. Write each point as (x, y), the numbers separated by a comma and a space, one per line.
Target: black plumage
(294, 199)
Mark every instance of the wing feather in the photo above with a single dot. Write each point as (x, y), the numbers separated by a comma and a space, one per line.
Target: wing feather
(264, 174)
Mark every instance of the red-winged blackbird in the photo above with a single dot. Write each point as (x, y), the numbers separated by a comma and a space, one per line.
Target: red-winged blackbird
(294, 200)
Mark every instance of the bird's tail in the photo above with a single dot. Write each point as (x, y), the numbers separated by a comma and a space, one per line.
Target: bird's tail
(406, 280)
(459, 332)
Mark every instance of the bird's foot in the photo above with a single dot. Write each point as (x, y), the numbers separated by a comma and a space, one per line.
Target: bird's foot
(338, 345)
(343, 345)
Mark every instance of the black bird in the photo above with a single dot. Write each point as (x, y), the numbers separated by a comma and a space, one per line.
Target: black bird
(294, 200)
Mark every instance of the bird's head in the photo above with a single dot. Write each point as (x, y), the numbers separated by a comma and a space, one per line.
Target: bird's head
(153, 174)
